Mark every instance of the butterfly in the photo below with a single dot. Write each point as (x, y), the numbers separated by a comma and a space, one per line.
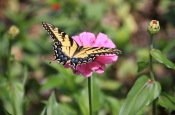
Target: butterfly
(67, 50)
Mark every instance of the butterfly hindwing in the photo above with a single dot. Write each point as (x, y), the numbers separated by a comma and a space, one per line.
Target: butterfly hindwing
(60, 57)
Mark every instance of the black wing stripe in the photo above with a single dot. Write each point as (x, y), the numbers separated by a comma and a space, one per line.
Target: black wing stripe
(63, 34)
(47, 28)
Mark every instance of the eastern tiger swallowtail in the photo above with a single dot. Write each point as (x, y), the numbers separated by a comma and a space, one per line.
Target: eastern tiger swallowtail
(67, 50)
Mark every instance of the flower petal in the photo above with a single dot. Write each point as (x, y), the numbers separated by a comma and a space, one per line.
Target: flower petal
(87, 73)
(87, 38)
(101, 69)
(66, 65)
(103, 41)
(75, 71)
(77, 39)
(93, 65)
(82, 68)
(107, 59)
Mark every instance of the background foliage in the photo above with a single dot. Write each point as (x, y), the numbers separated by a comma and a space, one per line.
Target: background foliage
(28, 90)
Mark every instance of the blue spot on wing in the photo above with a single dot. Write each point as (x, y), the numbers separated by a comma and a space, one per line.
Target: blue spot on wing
(59, 53)
(76, 60)
(59, 49)
(72, 60)
(61, 56)
(65, 58)
(80, 59)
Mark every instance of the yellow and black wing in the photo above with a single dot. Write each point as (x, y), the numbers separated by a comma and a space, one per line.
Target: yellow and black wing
(67, 50)
(88, 54)
(59, 36)
(64, 46)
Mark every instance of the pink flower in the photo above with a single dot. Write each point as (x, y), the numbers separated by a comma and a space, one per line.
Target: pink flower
(98, 65)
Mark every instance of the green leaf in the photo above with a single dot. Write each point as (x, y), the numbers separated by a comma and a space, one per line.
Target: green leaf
(166, 101)
(16, 94)
(6, 112)
(108, 84)
(95, 11)
(142, 65)
(31, 61)
(66, 110)
(52, 106)
(97, 96)
(82, 99)
(142, 93)
(157, 54)
(43, 111)
(25, 74)
(114, 105)
(168, 48)
(64, 80)
(53, 81)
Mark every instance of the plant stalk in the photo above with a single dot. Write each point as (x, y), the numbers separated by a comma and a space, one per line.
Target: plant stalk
(8, 60)
(150, 58)
(151, 72)
(90, 95)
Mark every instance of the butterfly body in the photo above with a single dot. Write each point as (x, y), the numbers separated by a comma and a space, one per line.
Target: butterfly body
(67, 50)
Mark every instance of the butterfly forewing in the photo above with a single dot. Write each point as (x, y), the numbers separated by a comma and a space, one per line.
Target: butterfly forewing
(69, 51)
(58, 35)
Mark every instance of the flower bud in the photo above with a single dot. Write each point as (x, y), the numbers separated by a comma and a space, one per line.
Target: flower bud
(13, 31)
(153, 27)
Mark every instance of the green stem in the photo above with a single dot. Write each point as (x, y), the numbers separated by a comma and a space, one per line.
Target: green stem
(150, 58)
(90, 95)
(151, 71)
(9, 73)
(8, 60)
(154, 107)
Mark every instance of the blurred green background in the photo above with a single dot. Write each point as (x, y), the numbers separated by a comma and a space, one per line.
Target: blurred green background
(33, 78)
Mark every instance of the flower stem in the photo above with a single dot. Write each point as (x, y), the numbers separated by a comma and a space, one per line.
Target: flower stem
(8, 60)
(90, 96)
(150, 58)
(151, 71)
(154, 107)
